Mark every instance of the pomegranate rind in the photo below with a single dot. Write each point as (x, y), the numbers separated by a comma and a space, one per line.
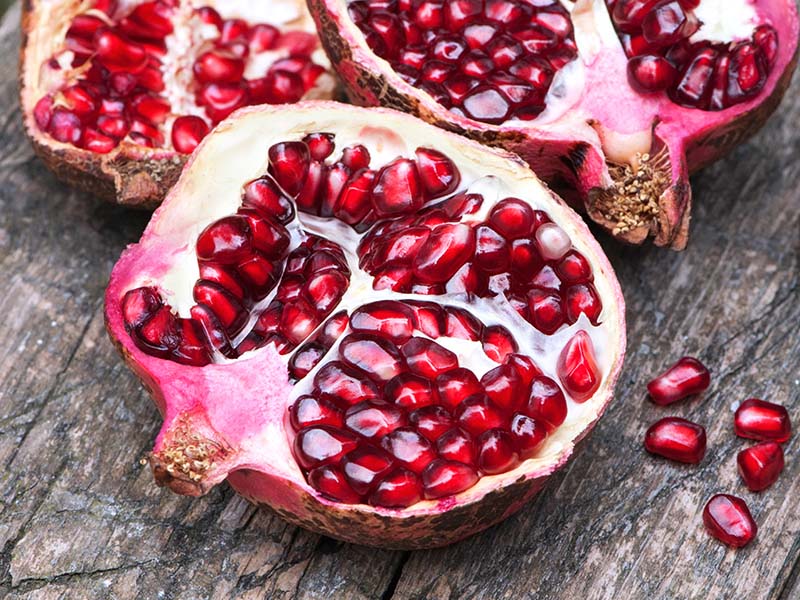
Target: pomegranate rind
(235, 412)
(131, 174)
(571, 152)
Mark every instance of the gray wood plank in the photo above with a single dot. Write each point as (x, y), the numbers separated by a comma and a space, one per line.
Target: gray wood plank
(80, 517)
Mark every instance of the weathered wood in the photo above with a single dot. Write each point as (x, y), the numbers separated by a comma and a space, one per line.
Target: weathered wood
(81, 518)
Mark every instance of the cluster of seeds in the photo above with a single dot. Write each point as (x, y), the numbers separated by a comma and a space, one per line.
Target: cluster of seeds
(725, 516)
(655, 35)
(489, 60)
(114, 59)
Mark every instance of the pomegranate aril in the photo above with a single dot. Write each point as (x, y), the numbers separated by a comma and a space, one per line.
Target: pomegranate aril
(305, 359)
(766, 38)
(747, 72)
(409, 449)
(65, 126)
(93, 140)
(299, 320)
(308, 411)
(457, 445)
(263, 37)
(427, 358)
(492, 252)
(387, 318)
(397, 189)
(462, 325)
(225, 306)
(377, 357)
(577, 367)
(336, 381)
(486, 104)
(728, 519)
(264, 196)
(364, 467)
(288, 164)
(498, 343)
(676, 439)
(225, 241)
(693, 88)
(546, 402)
(399, 489)
(477, 414)
(431, 421)
(582, 299)
(648, 73)
(449, 246)
(760, 420)
(218, 66)
(221, 99)
(437, 173)
(446, 478)
(213, 330)
(320, 445)
(527, 435)
(190, 350)
(760, 465)
(667, 24)
(545, 310)
(331, 483)
(512, 218)
(374, 419)
(496, 452)
(686, 377)
(504, 387)
(138, 305)
(119, 54)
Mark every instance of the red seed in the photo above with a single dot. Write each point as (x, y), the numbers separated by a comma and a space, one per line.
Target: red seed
(676, 439)
(648, 73)
(527, 435)
(288, 163)
(409, 448)
(446, 478)
(427, 358)
(331, 483)
(462, 325)
(431, 421)
(492, 251)
(305, 359)
(225, 241)
(582, 299)
(546, 310)
(457, 445)
(335, 381)
(760, 465)
(265, 196)
(364, 467)
(504, 387)
(477, 414)
(497, 452)
(760, 420)
(308, 411)
(399, 489)
(512, 218)
(685, 378)
(322, 445)
(387, 318)
(374, 419)
(320, 145)
(577, 368)
(547, 402)
(117, 53)
(437, 173)
(410, 391)
(376, 356)
(728, 519)
(187, 132)
(397, 189)
(498, 343)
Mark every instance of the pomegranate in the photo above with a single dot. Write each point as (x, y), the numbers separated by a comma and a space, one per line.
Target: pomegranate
(338, 310)
(728, 519)
(115, 94)
(619, 100)
(760, 465)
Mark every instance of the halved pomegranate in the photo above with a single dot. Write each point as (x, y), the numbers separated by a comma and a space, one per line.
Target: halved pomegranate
(115, 94)
(617, 100)
(384, 331)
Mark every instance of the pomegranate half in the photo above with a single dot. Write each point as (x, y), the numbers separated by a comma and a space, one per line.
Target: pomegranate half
(613, 102)
(116, 94)
(383, 331)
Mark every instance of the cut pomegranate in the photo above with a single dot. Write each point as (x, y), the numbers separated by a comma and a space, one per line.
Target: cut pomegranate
(679, 84)
(686, 377)
(728, 519)
(108, 88)
(760, 465)
(676, 439)
(760, 420)
(368, 361)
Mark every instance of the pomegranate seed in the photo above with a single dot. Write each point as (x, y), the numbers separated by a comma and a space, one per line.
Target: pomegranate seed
(364, 467)
(119, 54)
(546, 311)
(410, 391)
(497, 452)
(218, 66)
(320, 145)
(676, 439)
(552, 241)
(477, 414)
(582, 299)
(378, 358)
(686, 377)
(65, 126)
(728, 519)
(409, 448)
(693, 87)
(213, 330)
(760, 420)
(431, 421)
(546, 402)
(399, 489)
(263, 37)
(446, 250)
(760, 465)
(225, 241)
(458, 13)
(331, 482)
(486, 104)
(492, 252)
(320, 445)
(335, 381)
(95, 141)
(527, 435)
(390, 319)
(187, 132)
(308, 411)
(288, 163)
(305, 359)
(577, 368)
(221, 99)
(427, 358)
(446, 478)
(504, 387)
(512, 218)
(437, 173)
(497, 343)
(374, 419)
(766, 38)
(461, 324)
(225, 306)
(667, 24)
(648, 73)
(456, 385)
(397, 189)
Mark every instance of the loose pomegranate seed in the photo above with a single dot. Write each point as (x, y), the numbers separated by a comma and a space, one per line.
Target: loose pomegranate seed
(187, 132)
(686, 377)
(760, 465)
(728, 519)
(760, 420)
(676, 439)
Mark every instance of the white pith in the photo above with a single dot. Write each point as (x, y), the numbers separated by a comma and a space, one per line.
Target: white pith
(211, 188)
(183, 46)
(725, 20)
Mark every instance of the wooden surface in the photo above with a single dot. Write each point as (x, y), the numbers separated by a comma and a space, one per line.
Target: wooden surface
(81, 518)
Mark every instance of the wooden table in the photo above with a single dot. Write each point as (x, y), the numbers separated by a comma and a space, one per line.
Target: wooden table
(81, 518)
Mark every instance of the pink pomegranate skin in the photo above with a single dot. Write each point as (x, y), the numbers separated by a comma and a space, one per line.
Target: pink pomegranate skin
(570, 154)
(229, 421)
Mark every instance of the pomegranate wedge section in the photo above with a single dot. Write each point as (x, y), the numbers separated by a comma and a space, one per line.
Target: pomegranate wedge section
(115, 94)
(618, 100)
(383, 331)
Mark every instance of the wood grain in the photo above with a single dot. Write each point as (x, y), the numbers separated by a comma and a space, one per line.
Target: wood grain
(81, 518)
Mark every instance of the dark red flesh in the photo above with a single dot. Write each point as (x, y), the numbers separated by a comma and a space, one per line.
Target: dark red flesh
(120, 94)
(728, 519)
(761, 420)
(760, 465)
(676, 439)
(489, 60)
(387, 415)
(686, 377)
(705, 75)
